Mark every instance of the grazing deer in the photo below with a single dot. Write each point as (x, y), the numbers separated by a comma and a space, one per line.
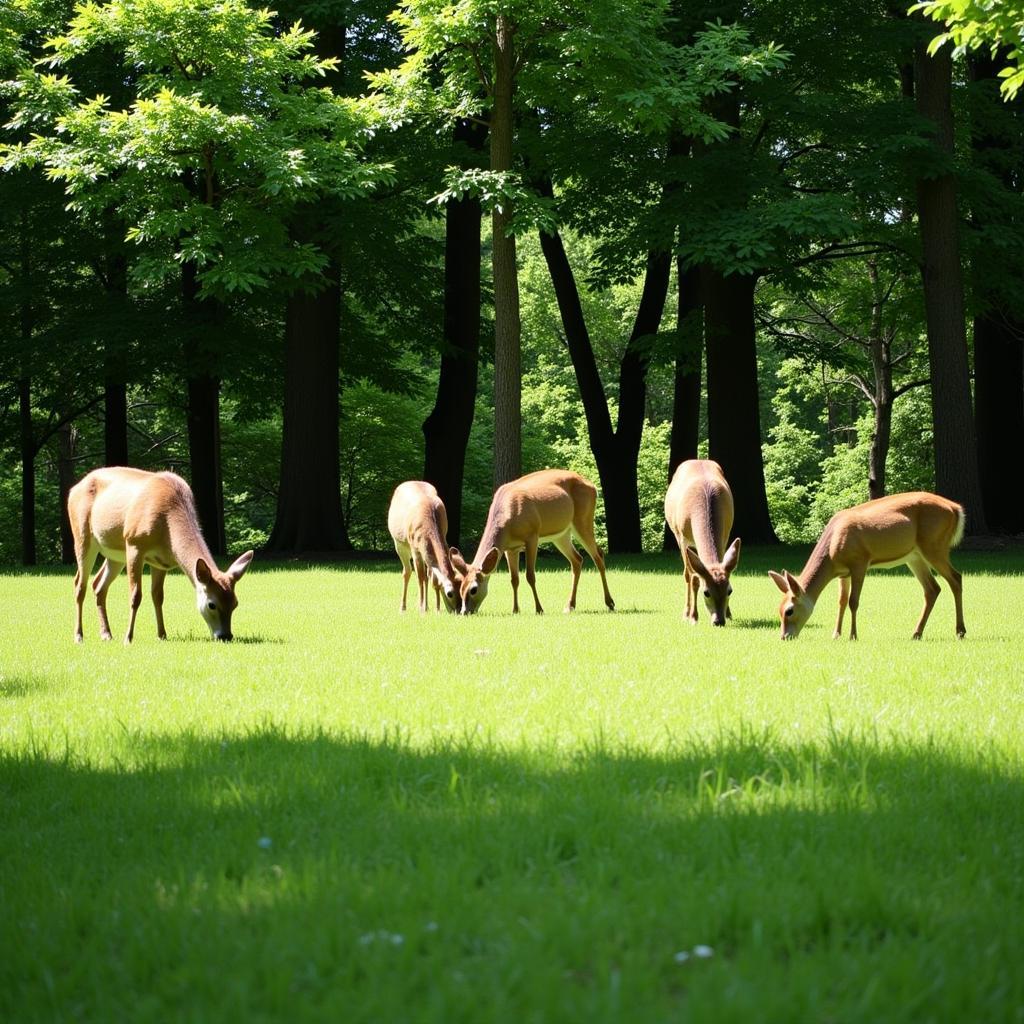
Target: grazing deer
(418, 523)
(916, 529)
(134, 518)
(699, 511)
(551, 505)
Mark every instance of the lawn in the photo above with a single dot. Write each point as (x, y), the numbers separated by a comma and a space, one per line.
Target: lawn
(354, 815)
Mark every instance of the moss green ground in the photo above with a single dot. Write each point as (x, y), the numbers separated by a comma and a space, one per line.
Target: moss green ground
(354, 815)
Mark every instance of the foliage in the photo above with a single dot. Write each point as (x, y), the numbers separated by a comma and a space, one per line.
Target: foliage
(223, 141)
(997, 25)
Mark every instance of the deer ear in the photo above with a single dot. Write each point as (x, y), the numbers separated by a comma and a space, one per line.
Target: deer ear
(794, 584)
(694, 562)
(490, 561)
(236, 570)
(203, 572)
(732, 556)
(779, 580)
(457, 561)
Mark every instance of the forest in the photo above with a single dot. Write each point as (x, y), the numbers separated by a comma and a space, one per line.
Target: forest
(300, 255)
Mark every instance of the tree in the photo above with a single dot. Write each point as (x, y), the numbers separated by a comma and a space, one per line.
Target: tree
(224, 142)
(996, 25)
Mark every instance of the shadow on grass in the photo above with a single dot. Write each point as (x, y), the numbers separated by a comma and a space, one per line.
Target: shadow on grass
(234, 874)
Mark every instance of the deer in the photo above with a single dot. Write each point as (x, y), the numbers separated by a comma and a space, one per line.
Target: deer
(699, 511)
(553, 505)
(916, 529)
(418, 522)
(135, 518)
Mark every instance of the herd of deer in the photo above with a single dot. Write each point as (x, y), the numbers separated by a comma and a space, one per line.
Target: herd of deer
(134, 518)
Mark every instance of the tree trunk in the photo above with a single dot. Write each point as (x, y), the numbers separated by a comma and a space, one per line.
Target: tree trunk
(615, 451)
(956, 455)
(115, 374)
(507, 355)
(734, 418)
(999, 406)
(622, 503)
(203, 415)
(309, 516)
(446, 430)
(67, 438)
(685, 435)
(998, 356)
(880, 350)
(28, 473)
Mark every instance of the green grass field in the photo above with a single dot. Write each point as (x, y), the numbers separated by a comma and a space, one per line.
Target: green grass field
(353, 815)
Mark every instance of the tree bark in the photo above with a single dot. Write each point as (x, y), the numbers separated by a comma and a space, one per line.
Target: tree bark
(685, 436)
(203, 415)
(998, 355)
(115, 372)
(446, 430)
(999, 407)
(67, 438)
(622, 502)
(956, 455)
(507, 328)
(28, 472)
(615, 450)
(734, 418)
(309, 516)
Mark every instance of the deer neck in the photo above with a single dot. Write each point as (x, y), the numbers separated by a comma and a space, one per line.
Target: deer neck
(187, 544)
(705, 538)
(437, 548)
(820, 569)
(494, 537)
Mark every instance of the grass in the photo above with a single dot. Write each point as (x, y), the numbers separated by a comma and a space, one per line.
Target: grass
(364, 816)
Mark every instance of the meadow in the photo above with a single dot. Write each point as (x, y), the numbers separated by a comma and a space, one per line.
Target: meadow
(351, 814)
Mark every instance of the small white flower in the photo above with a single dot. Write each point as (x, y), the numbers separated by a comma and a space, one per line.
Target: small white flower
(703, 952)
(681, 957)
(397, 940)
(431, 926)
(264, 842)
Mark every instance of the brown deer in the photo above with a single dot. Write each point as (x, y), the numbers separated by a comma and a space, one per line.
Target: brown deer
(552, 505)
(699, 511)
(916, 529)
(418, 523)
(134, 518)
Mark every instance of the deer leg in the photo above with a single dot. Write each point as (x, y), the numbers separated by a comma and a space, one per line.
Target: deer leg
(109, 572)
(564, 544)
(583, 531)
(919, 567)
(531, 571)
(512, 558)
(85, 555)
(693, 603)
(939, 561)
(844, 597)
(857, 574)
(421, 582)
(156, 589)
(403, 554)
(136, 563)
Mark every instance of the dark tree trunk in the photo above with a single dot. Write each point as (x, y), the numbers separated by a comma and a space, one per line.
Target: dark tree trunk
(880, 352)
(622, 503)
(203, 414)
(734, 419)
(615, 451)
(115, 375)
(998, 356)
(956, 455)
(309, 516)
(508, 459)
(685, 435)
(446, 430)
(999, 406)
(28, 473)
(67, 438)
